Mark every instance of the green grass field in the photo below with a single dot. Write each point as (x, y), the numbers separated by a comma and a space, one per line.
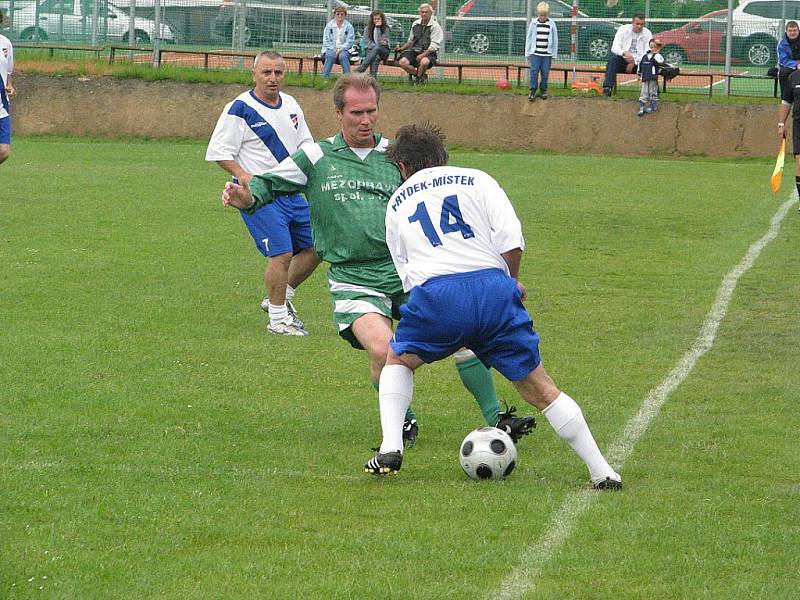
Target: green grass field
(156, 442)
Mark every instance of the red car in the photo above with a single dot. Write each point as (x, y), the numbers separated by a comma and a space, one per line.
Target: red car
(701, 41)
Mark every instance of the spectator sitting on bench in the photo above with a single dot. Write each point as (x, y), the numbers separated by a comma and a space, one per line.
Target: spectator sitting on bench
(788, 52)
(376, 43)
(418, 54)
(630, 44)
(337, 39)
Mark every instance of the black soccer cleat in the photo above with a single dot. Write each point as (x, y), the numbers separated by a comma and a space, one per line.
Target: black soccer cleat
(382, 464)
(515, 427)
(608, 484)
(410, 433)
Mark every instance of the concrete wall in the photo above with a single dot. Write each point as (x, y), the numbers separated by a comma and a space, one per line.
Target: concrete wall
(105, 106)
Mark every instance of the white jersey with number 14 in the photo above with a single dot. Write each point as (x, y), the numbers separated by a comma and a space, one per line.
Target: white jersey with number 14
(447, 220)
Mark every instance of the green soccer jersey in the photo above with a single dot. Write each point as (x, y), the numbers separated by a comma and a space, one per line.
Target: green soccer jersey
(347, 199)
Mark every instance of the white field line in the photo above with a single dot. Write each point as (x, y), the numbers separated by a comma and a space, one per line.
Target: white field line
(524, 577)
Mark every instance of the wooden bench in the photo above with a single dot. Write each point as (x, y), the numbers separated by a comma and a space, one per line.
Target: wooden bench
(165, 50)
(53, 47)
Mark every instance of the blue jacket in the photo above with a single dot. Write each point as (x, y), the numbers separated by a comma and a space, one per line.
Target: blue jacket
(650, 65)
(552, 40)
(329, 36)
(786, 58)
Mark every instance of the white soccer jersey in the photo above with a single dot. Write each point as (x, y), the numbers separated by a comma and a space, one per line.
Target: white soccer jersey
(6, 68)
(258, 136)
(448, 220)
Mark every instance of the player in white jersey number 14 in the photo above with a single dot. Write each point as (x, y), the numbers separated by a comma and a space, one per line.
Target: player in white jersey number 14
(457, 244)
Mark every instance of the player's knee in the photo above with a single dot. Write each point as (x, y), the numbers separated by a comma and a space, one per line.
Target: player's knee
(5, 152)
(424, 62)
(404, 62)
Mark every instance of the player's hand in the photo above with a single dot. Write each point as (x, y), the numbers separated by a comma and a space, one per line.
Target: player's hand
(236, 195)
(523, 293)
(10, 91)
(781, 132)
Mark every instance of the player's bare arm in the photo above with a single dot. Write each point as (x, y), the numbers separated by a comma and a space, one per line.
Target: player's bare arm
(783, 114)
(234, 169)
(513, 259)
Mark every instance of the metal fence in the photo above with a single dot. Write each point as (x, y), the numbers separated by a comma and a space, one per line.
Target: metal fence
(480, 35)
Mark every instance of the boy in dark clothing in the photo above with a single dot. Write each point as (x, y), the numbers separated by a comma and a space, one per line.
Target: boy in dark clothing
(649, 66)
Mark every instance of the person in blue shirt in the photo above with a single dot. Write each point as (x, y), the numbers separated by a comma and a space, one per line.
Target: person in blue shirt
(788, 52)
(337, 39)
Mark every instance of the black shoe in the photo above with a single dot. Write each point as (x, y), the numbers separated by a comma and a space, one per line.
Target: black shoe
(422, 79)
(412, 79)
(381, 464)
(608, 484)
(515, 427)
(410, 433)
(607, 92)
(531, 96)
(544, 95)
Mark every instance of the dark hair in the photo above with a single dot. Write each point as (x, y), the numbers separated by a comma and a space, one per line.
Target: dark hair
(638, 16)
(418, 146)
(358, 81)
(371, 24)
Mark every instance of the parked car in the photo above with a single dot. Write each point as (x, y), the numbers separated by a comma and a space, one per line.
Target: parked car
(701, 41)
(71, 20)
(484, 27)
(294, 22)
(757, 29)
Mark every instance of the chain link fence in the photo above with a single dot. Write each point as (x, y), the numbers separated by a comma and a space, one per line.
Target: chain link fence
(484, 39)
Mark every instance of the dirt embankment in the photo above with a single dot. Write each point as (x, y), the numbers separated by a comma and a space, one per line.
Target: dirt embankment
(106, 106)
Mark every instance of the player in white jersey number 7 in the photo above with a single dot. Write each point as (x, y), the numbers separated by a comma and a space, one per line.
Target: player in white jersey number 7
(457, 244)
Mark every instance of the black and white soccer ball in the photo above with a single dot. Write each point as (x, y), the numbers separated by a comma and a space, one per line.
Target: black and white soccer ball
(488, 453)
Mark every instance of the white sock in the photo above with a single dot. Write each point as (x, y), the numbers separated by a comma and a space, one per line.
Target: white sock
(566, 418)
(278, 313)
(289, 292)
(396, 388)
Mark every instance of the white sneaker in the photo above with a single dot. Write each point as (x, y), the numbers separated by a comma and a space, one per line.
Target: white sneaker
(287, 328)
(289, 306)
(293, 313)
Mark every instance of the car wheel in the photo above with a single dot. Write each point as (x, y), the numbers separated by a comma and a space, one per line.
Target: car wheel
(760, 51)
(33, 34)
(674, 55)
(597, 47)
(480, 42)
(139, 37)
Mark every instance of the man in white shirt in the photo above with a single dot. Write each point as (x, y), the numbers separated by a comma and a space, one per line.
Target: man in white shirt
(254, 133)
(631, 42)
(7, 92)
(457, 244)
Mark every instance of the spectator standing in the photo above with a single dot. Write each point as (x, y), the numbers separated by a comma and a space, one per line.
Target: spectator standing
(630, 44)
(337, 39)
(788, 52)
(376, 43)
(7, 92)
(541, 45)
(649, 67)
(419, 53)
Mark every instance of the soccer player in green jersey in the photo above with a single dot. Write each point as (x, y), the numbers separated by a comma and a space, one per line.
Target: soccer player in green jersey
(348, 181)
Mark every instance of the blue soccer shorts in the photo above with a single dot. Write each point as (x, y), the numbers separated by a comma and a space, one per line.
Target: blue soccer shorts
(5, 130)
(281, 227)
(480, 310)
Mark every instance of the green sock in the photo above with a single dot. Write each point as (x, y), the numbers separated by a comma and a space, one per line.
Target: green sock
(409, 413)
(478, 380)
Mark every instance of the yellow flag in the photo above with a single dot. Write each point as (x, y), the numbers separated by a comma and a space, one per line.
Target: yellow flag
(777, 174)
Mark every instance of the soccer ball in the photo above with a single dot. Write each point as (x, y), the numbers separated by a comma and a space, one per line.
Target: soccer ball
(488, 453)
(503, 84)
